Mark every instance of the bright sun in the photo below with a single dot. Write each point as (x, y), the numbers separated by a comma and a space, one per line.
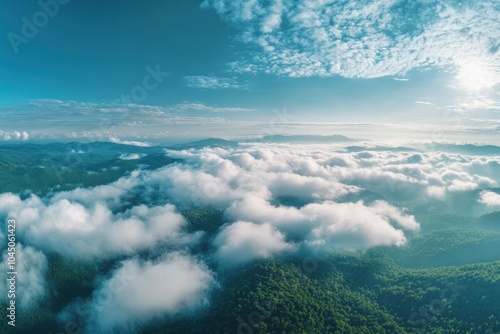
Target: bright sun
(476, 76)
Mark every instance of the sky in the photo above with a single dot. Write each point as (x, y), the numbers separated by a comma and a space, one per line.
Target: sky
(157, 71)
(228, 68)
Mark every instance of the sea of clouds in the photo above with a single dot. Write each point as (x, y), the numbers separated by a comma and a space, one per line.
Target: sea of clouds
(276, 200)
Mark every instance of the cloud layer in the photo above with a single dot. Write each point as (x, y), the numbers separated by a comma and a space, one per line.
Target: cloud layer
(275, 199)
(366, 39)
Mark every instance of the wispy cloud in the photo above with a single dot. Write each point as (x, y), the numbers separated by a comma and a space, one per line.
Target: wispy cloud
(196, 106)
(213, 82)
(55, 119)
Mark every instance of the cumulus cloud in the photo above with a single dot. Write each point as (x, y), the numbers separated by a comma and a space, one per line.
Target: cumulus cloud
(133, 156)
(94, 231)
(14, 136)
(489, 198)
(332, 225)
(243, 241)
(366, 39)
(355, 226)
(138, 292)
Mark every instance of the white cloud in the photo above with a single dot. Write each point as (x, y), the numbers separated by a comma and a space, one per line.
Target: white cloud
(196, 106)
(489, 198)
(92, 231)
(137, 293)
(129, 142)
(355, 226)
(14, 136)
(332, 225)
(133, 156)
(242, 242)
(213, 82)
(286, 186)
(130, 124)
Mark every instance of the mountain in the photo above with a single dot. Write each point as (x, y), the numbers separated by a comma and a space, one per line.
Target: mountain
(468, 149)
(307, 139)
(354, 149)
(210, 142)
(41, 168)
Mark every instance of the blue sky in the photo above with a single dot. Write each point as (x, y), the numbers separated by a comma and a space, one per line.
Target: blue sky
(234, 65)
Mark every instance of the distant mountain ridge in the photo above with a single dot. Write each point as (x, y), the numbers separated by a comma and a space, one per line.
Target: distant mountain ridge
(307, 139)
(277, 139)
(469, 149)
(209, 142)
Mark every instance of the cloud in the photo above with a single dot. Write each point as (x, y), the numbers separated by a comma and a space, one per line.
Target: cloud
(134, 156)
(129, 142)
(335, 226)
(196, 106)
(242, 242)
(14, 136)
(289, 187)
(260, 183)
(139, 292)
(131, 124)
(213, 82)
(90, 231)
(489, 198)
(365, 39)
(355, 226)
